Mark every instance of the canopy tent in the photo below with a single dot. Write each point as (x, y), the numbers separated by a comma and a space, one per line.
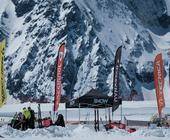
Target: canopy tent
(92, 99)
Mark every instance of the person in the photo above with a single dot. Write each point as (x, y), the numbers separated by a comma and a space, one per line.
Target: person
(14, 122)
(21, 121)
(31, 123)
(27, 115)
(17, 121)
(60, 121)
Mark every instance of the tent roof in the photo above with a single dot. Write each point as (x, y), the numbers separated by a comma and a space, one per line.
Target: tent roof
(92, 99)
(93, 93)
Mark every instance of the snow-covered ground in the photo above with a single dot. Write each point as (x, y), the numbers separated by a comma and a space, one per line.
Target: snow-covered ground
(142, 110)
(82, 132)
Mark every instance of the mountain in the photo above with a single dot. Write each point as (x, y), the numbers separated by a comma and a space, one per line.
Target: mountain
(92, 30)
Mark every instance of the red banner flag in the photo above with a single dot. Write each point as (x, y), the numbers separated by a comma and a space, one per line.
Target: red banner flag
(159, 82)
(59, 66)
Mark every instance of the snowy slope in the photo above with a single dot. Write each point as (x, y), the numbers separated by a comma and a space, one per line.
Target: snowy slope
(83, 133)
(168, 6)
(92, 30)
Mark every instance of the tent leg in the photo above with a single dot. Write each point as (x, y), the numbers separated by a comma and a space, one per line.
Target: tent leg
(109, 115)
(112, 115)
(39, 116)
(95, 120)
(98, 119)
(79, 113)
(121, 113)
(105, 115)
(66, 115)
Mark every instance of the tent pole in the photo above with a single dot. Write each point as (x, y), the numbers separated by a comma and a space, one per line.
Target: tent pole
(95, 119)
(112, 115)
(105, 115)
(79, 113)
(121, 112)
(98, 120)
(39, 116)
(66, 115)
(109, 114)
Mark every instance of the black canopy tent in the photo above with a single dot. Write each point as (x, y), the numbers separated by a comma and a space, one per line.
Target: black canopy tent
(93, 99)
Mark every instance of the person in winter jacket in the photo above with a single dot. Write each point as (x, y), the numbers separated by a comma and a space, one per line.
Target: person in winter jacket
(15, 123)
(32, 118)
(60, 121)
(21, 120)
(27, 115)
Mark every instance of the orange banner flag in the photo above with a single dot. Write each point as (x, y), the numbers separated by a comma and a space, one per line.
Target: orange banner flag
(159, 82)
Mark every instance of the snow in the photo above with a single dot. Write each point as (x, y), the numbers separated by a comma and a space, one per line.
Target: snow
(63, 11)
(86, 78)
(118, 28)
(82, 132)
(168, 6)
(161, 41)
(15, 42)
(3, 5)
(113, 29)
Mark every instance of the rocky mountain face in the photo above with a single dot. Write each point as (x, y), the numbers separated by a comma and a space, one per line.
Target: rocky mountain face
(92, 30)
